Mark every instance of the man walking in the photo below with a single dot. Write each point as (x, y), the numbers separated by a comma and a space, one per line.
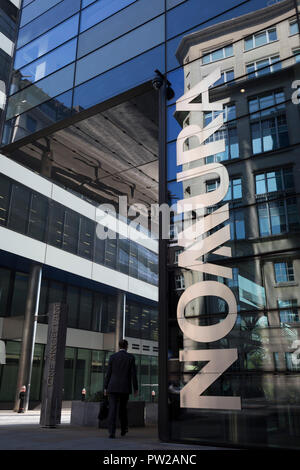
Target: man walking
(120, 377)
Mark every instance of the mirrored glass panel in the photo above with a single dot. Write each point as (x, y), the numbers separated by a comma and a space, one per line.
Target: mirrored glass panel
(46, 42)
(51, 18)
(36, 8)
(120, 50)
(46, 88)
(233, 251)
(100, 10)
(120, 23)
(44, 66)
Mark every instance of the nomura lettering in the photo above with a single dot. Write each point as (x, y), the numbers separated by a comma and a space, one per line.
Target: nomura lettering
(198, 241)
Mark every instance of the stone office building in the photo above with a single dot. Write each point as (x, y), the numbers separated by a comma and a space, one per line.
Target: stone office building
(86, 128)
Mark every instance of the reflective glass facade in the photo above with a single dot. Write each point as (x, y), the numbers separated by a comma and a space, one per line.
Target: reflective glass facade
(250, 118)
(83, 367)
(9, 16)
(88, 119)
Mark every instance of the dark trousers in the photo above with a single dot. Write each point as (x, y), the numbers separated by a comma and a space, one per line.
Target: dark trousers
(117, 401)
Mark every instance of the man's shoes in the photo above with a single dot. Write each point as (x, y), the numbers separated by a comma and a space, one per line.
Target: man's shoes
(111, 436)
(124, 432)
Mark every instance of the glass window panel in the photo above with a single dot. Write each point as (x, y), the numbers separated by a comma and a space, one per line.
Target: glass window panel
(133, 316)
(5, 188)
(145, 390)
(38, 217)
(36, 8)
(283, 135)
(71, 232)
(278, 218)
(276, 63)
(237, 188)
(47, 20)
(56, 224)
(122, 78)
(44, 66)
(46, 88)
(97, 372)
(256, 138)
(262, 64)
(86, 3)
(274, 181)
(206, 59)
(153, 267)
(260, 39)
(19, 208)
(173, 3)
(25, 2)
(120, 50)
(229, 75)
(237, 225)
(187, 16)
(82, 372)
(37, 370)
(9, 373)
(260, 184)
(99, 250)
(294, 27)
(284, 272)
(288, 179)
(142, 263)
(101, 10)
(86, 238)
(69, 372)
(279, 98)
(51, 111)
(107, 314)
(133, 260)
(19, 294)
(269, 135)
(292, 214)
(217, 55)
(253, 105)
(264, 223)
(272, 34)
(124, 249)
(228, 51)
(72, 300)
(5, 276)
(145, 323)
(111, 314)
(154, 325)
(118, 24)
(111, 252)
(85, 309)
(248, 43)
(47, 42)
(250, 68)
(99, 312)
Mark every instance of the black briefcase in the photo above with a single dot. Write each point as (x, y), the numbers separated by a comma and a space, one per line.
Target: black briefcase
(103, 411)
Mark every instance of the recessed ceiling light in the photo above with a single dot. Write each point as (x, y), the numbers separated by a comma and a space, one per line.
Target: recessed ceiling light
(242, 90)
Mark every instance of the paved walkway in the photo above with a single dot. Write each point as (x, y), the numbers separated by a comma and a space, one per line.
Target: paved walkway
(22, 432)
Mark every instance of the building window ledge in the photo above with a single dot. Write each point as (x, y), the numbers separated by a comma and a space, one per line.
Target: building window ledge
(286, 284)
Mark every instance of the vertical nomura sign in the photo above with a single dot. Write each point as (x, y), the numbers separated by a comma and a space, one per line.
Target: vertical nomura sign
(195, 245)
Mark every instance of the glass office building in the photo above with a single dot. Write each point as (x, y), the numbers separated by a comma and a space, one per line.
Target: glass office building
(212, 310)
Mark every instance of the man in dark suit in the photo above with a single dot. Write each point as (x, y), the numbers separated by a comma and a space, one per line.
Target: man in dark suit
(120, 377)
